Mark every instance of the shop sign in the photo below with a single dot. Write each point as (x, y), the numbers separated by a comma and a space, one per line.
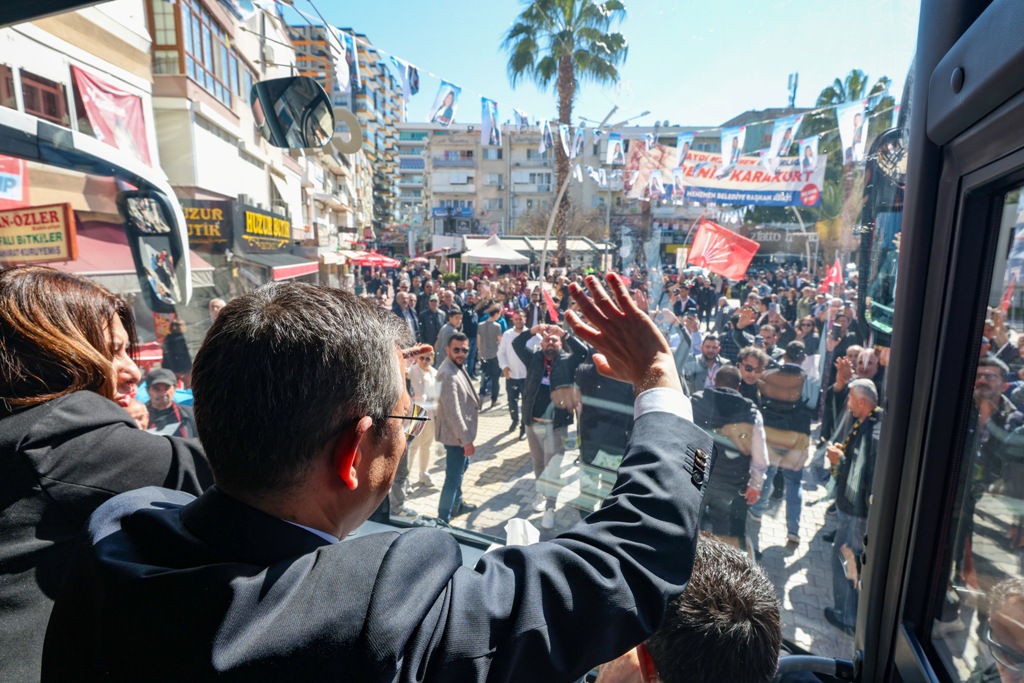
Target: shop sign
(38, 234)
(209, 224)
(262, 232)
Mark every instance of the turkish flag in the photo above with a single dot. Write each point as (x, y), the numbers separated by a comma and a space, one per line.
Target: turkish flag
(834, 276)
(721, 250)
(552, 309)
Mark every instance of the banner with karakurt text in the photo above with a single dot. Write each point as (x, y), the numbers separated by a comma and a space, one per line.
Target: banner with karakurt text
(116, 116)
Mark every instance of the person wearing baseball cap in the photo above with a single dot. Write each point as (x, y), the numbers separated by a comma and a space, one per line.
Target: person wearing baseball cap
(166, 417)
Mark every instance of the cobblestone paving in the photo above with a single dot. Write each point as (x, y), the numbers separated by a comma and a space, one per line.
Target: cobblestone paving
(500, 481)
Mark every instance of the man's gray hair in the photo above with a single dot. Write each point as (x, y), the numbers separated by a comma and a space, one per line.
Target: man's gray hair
(865, 388)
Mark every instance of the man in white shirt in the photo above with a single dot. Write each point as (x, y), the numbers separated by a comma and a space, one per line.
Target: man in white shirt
(513, 370)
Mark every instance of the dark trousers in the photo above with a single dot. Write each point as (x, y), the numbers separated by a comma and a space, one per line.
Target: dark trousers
(490, 375)
(456, 463)
(515, 393)
(471, 358)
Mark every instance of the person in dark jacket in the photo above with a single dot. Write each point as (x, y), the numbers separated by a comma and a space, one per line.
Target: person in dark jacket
(176, 357)
(67, 441)
(431, 321)
(548, 367)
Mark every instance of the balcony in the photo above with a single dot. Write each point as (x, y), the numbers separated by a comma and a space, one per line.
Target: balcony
(442, 162)
(529, 188)
(454, 189)
(532, 163)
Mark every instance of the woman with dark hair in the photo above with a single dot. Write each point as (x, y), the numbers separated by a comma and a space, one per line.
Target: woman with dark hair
(67, 442)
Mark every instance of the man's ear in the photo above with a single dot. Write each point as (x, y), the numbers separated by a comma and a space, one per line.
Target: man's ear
(647, 670)
(346, 452)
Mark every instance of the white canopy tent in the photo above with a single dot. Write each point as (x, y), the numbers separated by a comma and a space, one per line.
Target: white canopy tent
(496, 253)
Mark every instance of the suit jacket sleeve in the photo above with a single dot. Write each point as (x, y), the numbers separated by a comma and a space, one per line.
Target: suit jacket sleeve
(519, 346)
(553, 610)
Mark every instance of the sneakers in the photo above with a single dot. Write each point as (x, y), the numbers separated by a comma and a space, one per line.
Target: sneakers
(539, 503)
(793, 538)
(406, 512)
(426, 479)
(466, 507)
(549, 519)
(522, 434)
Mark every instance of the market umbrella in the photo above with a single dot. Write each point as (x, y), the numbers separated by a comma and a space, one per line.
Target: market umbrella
(373, 259)
(494, 252)
(419, 259)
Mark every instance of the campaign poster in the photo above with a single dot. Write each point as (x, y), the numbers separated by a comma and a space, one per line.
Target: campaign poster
(809, 154)
(410, 77)
(602, 177)
(546, 140)
(732, 144)
(641, 162)
(650, 140)
(522, 120)
(577, 143)
(351, 80)
(490, 131)
(615, 155)
(445, 104)
(564, 134)
(655, 187)
(678, 187)
(684, 142)
(577, 173)
(13, 182)
(852, 131)
(783, 133)
(116, 116)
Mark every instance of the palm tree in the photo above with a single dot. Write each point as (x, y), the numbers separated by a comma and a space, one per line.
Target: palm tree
(851, 88)
(567, 42)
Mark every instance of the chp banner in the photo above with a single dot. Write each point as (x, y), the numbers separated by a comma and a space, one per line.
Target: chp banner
(721, 250)
(13, 182)
(116, 116)
(851, 130)
(615, 155)
(732, 145)
(783, 133)
(445, 104)
(490, 131)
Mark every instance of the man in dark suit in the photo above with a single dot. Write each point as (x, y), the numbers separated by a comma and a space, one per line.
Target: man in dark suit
(431, 321)
(404, 311)
(250, 582)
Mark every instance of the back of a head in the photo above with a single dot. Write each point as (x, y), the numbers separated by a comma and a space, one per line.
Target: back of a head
(728, 377)
(285, 369)
(55, 335)
(726, 625)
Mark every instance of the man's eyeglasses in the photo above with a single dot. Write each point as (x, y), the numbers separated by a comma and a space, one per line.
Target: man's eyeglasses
(416, 420)
(424, 358)
(461, 350)
(1006, 656)
(752, 368)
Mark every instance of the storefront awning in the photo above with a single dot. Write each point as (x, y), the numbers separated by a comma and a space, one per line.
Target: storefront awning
(281, 266)
(105, 257)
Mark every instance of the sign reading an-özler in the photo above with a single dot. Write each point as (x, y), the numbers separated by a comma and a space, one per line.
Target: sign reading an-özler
(38, 234)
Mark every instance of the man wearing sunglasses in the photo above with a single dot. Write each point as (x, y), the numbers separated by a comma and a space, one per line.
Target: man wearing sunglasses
(458, 408)
(251, 581)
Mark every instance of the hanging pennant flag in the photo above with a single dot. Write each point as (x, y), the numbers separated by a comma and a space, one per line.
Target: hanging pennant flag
(563, 135)
(721, 250)
(593, 174)
(684, 142)
(650, 141)
(783, 133)
(834, 276)
(851, 130)
(654, 187)
(602, 178)
(490, 131)
(615, 155)
(577, 142)
(546, 140)
(351, 59)
(522, 120)
(410, 77)
(445, 104)
(732, 145)
(577, 173)
(550, 303)
(809, 154)
(678, 188)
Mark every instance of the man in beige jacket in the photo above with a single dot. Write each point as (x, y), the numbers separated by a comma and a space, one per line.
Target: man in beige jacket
(457, 409)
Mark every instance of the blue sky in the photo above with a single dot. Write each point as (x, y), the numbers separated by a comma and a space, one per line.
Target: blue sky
(690, 63)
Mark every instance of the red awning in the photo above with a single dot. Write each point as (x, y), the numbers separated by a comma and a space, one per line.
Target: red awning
(282, 266)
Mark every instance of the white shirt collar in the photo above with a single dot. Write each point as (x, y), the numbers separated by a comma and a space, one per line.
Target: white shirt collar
(322, 534)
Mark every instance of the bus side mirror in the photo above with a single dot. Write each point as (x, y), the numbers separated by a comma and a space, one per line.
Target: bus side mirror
(156, 248)
(293, 112)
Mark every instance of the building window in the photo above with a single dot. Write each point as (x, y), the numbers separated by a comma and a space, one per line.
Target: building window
(493, 178)
(7, 98)
(458, 154)
(536, 154)
(494, 204)
(209, 58)
(164, 29)
(44, 98)
(492, 153)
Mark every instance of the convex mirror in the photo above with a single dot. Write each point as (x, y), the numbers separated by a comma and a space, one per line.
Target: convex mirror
(293, 112)
(158, 255)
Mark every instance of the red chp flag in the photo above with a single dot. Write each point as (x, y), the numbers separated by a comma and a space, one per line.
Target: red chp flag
(1008, 295)
(834, 276)
(552, 309)
(721, 250)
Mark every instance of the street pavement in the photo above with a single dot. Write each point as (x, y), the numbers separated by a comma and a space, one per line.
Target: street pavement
(500, 481)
